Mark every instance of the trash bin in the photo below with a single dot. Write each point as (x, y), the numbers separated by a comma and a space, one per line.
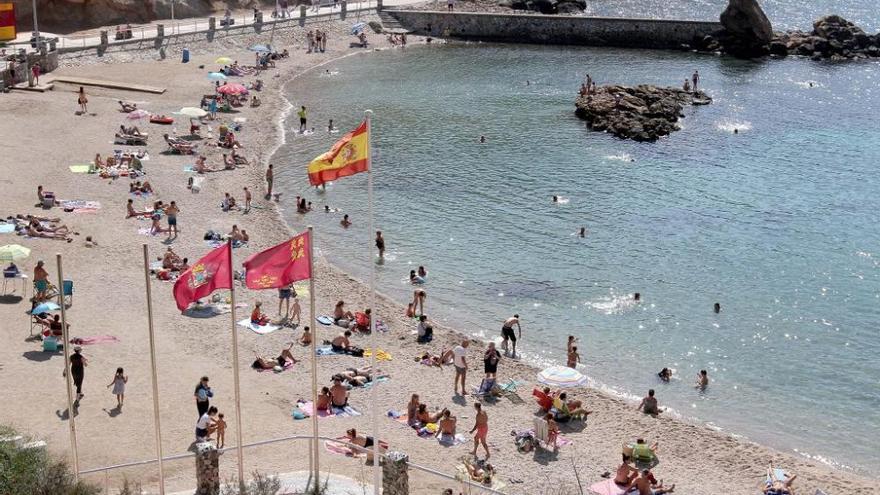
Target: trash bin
(185, 55)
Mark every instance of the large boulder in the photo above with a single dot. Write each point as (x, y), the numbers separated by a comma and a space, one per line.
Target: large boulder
(746, 20)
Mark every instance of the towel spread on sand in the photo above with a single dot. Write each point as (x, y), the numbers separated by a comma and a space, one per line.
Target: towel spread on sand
(341, 449)
(607, 487)
(96, 339)
(260, 329)
(80, 205)
(561, 441)
(342, 412)
(146, 231)
(7, 228)
(452, 440)
(323, 319)
(327, 351)
(380, 354)
(80, 168)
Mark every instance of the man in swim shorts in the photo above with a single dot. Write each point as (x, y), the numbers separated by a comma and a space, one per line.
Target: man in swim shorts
(507, 332)
(481, 427)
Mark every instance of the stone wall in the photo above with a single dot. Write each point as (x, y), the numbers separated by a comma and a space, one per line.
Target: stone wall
(556, 29)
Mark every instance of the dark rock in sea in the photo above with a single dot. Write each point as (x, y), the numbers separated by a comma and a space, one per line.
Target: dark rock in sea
(746, 28)
(570, 7)
(641, 113)
(375, 26)
(833, 38)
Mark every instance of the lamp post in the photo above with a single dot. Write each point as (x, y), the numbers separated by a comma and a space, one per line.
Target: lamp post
(36, 27)
(172, 16)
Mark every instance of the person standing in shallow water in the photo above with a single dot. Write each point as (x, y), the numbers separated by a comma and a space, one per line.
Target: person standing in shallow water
(380, 244)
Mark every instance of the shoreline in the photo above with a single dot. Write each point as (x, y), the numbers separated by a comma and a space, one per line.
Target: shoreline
(733, 464)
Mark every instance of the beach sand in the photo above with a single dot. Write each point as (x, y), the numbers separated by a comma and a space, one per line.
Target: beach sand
(43, 136)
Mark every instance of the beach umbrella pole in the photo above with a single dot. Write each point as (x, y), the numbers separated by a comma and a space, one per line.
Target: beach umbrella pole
(65, 336)
(235, 379)
(316, 465)
(154, 371)
(377, 475)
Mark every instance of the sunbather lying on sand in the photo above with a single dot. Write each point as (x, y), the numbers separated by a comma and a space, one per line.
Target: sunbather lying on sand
(776, 486)
(48, 227)
(263, 363)
(480, 473)
(358, 377)
(47, 235)
(428, 359)
(366, 442)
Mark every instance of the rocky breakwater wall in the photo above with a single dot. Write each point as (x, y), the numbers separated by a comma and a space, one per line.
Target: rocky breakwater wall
(554, 29)
(640, 113)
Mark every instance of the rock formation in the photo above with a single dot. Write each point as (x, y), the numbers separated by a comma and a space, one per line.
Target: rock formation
(747, 31)
(641, 113)
(547, 6)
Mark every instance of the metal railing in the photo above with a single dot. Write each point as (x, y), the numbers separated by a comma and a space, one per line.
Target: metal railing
(200, 26)
(469, 486)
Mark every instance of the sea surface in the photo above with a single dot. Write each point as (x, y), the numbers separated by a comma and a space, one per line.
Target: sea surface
(766, 202)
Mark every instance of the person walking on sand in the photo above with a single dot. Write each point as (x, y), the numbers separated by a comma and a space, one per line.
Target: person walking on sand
(171, 212)
(481, 427)
(695, 79)
(302, 119)
(247, 200)
(507, 333)
(380, 244)
(459, 360)
(118, 384)
(203, 396)
(78, 364)
(269, 177)
(83, 101)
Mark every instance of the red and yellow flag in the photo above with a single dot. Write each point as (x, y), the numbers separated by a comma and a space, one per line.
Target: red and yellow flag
(280, 265)
(350, 155)
(212, 272)
(7, 21)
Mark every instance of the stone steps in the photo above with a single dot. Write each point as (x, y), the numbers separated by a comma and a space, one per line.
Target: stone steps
(389, 23)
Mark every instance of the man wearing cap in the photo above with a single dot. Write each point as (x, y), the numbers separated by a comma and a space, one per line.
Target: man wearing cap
(78, 363)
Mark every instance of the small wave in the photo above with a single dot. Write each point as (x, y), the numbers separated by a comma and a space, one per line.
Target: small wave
(613, 304)
(623, 157)
(808, 84)
(734, 127)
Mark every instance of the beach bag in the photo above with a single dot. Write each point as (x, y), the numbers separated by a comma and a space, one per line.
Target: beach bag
(356, 351)
(209, 235)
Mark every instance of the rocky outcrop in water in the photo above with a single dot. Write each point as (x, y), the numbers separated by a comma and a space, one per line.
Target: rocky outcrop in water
(641, 113)
(546, 6)
(747, 33)
(832, 37)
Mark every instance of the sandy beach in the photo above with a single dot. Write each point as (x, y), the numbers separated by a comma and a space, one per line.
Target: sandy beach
(43, 137)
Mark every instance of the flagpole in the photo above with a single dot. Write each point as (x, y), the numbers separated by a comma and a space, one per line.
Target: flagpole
(154, 374)
(377, 479)
(238, 432)
(315, 449)
(65, 336)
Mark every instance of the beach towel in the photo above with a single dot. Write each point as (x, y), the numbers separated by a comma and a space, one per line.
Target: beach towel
(96, 339)
(80, 205)
(145, 231)
(381, 326)
(80, 169)
(452, 440)
(327, 351)
(377, 380)
(461, 474)
(308, 408)
(561, 441)
(380, 354)
(341, 449)
(607, 487)
(7, 228)
(259, 329)
(342, 412)
(323, 319)
(189, 168)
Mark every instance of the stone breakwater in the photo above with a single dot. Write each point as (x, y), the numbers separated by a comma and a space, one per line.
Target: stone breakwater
(640, 113)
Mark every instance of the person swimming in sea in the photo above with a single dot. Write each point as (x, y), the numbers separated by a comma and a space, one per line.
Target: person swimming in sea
(717, 308)
(583, 232)
(665, 375)
(637, 297)
(482, 139)
(330, 127)
(702, 380)
(555, 198)
(415, 279)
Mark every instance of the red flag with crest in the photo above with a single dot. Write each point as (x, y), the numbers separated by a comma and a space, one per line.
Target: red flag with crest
(212, 272)
(280, 265)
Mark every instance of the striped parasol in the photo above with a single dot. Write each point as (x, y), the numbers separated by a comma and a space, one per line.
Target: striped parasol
(13, 252)
(562, 377)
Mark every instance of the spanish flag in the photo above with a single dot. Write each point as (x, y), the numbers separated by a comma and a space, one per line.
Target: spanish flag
(7, 21)
(350, 155)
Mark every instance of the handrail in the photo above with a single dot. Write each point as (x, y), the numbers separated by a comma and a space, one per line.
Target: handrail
(260, 443)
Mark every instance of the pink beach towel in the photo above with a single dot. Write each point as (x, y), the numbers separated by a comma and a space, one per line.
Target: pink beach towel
(97, 339)
(340, 449)
(308, 408)
(607, 487)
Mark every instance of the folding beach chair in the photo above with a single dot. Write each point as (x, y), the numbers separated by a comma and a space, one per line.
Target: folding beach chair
(542, 432)
(485, 389)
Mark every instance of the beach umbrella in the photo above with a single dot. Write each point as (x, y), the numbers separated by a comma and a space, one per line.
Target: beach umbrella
(562, 377)
(223, 61)
(357, 28)
(13, 252)
(192, 112)
(260, 48)
(232, 89)
(216, 76)
(137, 114)
(46, 307)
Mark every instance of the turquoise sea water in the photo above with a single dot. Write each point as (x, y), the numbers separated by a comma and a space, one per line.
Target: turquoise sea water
(777, 222)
